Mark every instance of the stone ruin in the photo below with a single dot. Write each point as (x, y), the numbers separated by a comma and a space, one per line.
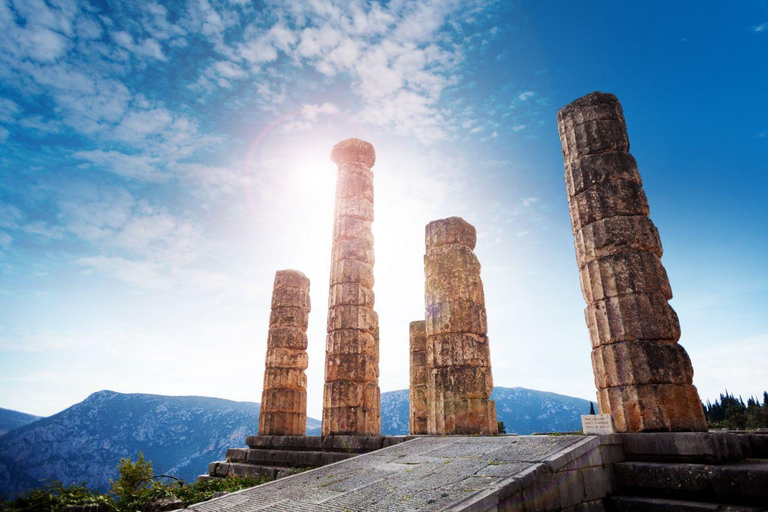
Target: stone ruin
(351, 399)
(643, 376)
(284, 397)
(459, 382)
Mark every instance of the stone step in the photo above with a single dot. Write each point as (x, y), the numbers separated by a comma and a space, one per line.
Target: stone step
(754, 446)
(350, 444)
(701, 447)
(744, 482)
(641, 504)
(297, 459)
(224, 469)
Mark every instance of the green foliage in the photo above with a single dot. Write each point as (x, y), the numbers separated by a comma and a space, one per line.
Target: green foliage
(732, 413)
(502, 428)
(134, 488)
(133, 478)
(56, 496)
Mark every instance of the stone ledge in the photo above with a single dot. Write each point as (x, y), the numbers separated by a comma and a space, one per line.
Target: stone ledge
(709, 447)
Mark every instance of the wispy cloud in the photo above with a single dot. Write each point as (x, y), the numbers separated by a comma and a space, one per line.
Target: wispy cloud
(760, 28)
(525, 95)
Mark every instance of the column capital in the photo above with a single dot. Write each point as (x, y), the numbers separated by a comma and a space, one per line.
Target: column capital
(353, 150)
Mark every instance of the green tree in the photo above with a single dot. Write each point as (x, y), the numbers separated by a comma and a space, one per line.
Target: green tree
(133, 476)
(502, 428)
(591, 408)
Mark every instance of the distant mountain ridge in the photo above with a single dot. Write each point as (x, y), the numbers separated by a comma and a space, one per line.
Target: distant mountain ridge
(523, 411)
(181, 435)
(85, 442)
(10, 420)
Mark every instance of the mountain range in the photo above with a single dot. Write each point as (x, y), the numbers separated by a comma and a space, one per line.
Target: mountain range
(10, 420)
(181, 435)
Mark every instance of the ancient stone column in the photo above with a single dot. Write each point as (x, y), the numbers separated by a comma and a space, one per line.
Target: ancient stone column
(460, 381)
(419, 410)
(284, 398)
(351, 400)
(643, 377)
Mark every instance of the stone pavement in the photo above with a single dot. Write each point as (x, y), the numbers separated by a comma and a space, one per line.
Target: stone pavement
(445, 473)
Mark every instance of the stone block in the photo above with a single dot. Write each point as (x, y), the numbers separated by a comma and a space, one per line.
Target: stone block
(282, 423)
(281, 442)
(351, 367)
(589, 170)
(355, 207)
(352, 317)
(353, 249)
(458, 349)
(445, 260)
(237, 454)
(653, 408)
(641, 362)
(640, 316)
(289, 317)
(291, 279)
(355, 184)
(470, 416)
(453, 230)
(287, 337)
(598, 482)
(419, 359)
(352, 271)
(352, 228)
(417, 333)
(624, 274)
(456, 317)
(291, 297)
(710, 447)
(460, 284)
(350, 421)
(352, 444)
(592, 124)
(283, 400)
(463, 382)
(605, 200)
(616, 235)
(286, 358)
(343, 392)
(351, 341)
(354, 168)
(350, 294)
(285, 378)
(353, 151)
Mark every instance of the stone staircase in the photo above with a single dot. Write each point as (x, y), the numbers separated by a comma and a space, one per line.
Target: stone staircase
(280, 456)
(693, 472)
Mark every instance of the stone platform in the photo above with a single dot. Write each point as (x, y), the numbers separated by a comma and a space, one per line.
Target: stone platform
(454, 473)
(280, 456)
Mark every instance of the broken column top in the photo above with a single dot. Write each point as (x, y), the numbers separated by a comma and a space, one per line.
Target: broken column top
(418, 328)
(353, 150)
(291, 278)
(453, 230)
(592, 124)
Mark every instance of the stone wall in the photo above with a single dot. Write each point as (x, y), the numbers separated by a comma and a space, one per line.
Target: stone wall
(419, 407)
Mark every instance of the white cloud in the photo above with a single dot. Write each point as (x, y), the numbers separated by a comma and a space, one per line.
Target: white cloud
(525, 95)
(760, 28)
(518, 127)
(528, 201)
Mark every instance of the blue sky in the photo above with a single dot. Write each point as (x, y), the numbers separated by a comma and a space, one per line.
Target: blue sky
(159, 162)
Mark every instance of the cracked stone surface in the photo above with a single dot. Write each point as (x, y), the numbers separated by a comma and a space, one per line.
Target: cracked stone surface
(427, 473)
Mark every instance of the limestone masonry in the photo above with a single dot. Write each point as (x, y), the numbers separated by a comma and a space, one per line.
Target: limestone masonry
(460, 381)
(351, 401)
(284, 398)
(644, 378)
(419, 408)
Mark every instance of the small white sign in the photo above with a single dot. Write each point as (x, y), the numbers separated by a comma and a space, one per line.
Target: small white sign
(599, 424)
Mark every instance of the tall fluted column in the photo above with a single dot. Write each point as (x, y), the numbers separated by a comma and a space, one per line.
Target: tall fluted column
(460, 381)
(643, 377)
(351, 401)
(284, 398)
(419, 410)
